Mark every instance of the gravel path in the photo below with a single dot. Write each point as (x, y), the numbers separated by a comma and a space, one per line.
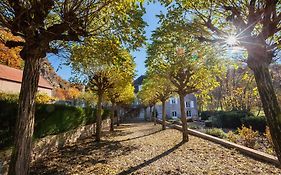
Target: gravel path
(142, 148)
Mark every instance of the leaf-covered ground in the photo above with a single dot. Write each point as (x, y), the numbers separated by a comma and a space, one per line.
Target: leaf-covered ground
(142, 148)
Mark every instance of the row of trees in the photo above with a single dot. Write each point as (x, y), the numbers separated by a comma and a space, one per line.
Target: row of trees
(46, 26)
(252, 25)
(178, 64)
(107, 70)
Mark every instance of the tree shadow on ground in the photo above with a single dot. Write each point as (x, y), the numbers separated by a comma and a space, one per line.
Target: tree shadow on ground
(146, 163)
(141, 136)
(71, 159)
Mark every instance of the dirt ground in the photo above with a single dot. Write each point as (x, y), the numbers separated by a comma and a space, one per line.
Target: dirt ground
(142, 148)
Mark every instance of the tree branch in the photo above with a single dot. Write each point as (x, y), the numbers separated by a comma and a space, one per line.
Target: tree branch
(12, 44)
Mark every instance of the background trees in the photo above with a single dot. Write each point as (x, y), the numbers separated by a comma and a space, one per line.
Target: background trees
(189, 66)
(107, 69)
(46, 26)
(253, 25)
(156, 88)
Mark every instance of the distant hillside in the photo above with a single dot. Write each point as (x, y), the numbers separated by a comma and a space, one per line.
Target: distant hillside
(48, 72)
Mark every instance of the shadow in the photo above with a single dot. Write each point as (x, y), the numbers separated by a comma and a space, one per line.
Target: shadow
(140, 136)
(71, 159)
(146, 163)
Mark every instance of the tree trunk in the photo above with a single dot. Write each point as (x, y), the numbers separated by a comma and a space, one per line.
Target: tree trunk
(112, 117)
(150, 113)
(183, 119)
(163, 115)
(117, 117)
(154, 115)
(270, 105)
(145, 113)
(21, 155)
(99, 119)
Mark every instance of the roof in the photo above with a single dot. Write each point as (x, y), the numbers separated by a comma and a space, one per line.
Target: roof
(138, 82)
(15, 75)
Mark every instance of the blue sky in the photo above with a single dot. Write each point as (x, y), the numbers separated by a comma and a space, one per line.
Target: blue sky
(150, 17)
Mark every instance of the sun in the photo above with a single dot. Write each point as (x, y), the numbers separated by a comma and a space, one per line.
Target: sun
(231, 40)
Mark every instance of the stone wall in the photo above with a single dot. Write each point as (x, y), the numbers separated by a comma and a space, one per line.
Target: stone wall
(54, 142)
(44, 145)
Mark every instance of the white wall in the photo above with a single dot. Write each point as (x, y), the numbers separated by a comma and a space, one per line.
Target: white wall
(14, 88)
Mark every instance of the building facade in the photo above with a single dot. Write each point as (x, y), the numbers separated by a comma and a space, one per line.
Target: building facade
(173, 107)
(10, 81)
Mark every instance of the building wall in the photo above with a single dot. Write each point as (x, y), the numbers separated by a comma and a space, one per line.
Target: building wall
(175, 107)
(14, 87)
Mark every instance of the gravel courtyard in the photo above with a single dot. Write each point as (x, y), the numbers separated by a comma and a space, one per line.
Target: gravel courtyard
(142, 148)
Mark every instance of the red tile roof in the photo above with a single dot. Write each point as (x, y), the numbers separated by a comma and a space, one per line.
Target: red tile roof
(15, 75)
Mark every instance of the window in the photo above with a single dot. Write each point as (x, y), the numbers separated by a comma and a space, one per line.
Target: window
(174, 113)
(188, 113)
(173, 100)
(187, 104)
(192, 104)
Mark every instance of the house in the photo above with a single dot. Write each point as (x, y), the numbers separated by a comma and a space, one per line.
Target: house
(173, 104)
(10, 81)
(173, 107)
(137, 88)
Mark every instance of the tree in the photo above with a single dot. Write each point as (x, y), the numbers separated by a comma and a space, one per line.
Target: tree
(253, 25)
(187, 64)
(9, 56)
(99, 83)
(147, 95)
(122, 89)
(237, 89)
(45, 26)
(102, 63)
(126, 98)
(162, 89)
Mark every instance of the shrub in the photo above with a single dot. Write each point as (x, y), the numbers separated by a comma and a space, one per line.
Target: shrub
(232, 137)
(208, 123)
(268, 136)
(248, 136)
(229, 119)
(257, 123)
(11, 98)
(54, 119)
(216, 132)
(205, 115)
(43, 98)
(8, 115)
(49, 119)
(194, 127)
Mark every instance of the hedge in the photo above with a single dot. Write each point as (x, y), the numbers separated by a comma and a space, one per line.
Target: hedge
(257, 123)
(205, 115)
(233, 119)
(229, 119)
(49, 119)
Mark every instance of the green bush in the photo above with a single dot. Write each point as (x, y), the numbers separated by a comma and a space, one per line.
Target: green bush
(229, 119)
(208, 123)
(205, 115)
(54, 119)
(8, 113)
(257, 123)
(49, 119)
(216, 132)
